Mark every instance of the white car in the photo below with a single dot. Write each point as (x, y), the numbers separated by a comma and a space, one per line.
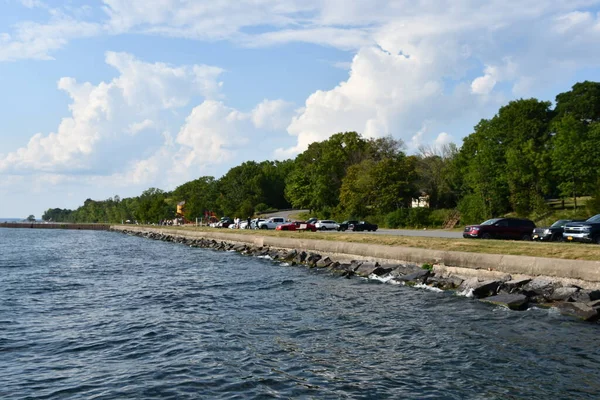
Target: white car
(271, 223)
(326, 224)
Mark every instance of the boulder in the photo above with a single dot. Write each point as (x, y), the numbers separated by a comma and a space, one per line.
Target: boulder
(512, 301)
(366, 269)
(578, 310)
(312, 259)
(539, 290)
(300, 257)
(400, 270)
(414, 278)
(291, 255)
(324, 262)
(564, 293)
(444, 283)
(480, 288)
(354, 264)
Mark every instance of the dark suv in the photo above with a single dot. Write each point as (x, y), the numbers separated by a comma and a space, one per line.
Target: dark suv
(588, 231)
(501, 228)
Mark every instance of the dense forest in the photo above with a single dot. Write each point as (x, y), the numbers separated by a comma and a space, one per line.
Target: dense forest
(512, 163)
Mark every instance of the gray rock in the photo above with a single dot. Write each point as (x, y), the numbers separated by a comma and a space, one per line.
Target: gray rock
(480, 288)
(578, 310)
(354, 264)
(564, 293)
(400, 270)
(324, 262)
(581, 296)
(417, 277)
(445, 283)
(512, 301)
(366, 269)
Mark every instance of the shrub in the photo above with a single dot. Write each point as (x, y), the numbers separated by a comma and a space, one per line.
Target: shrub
(438, 217)
(472, 209)
(261, 208)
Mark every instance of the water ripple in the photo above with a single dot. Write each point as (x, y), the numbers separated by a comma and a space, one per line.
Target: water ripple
(98, 315)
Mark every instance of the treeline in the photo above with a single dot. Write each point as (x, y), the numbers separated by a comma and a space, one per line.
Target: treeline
(528, 152)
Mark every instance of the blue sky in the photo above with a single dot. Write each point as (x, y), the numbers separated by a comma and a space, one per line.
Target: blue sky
(103, 98)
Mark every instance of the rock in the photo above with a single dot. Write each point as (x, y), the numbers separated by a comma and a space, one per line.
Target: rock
(480, 289)
(444, 283)
(564, 293)
(595, 295)
(300, 257)
(366, 269)
(486, 289)
(291, 255)
(312, 259)
(324, 262)
(417, 277)
(594, 304)
(512, 301)
(400, 270)
(539, 290)
(354, 264)
(578, 310)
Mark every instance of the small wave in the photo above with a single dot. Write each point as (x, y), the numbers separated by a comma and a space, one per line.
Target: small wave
(266, 257)
(431, 288)
(466, 293)
(384, 278)
(285, 264)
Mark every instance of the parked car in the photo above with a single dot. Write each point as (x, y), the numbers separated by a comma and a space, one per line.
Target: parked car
(553, 232)
(363, 226)
(271, 223)
(296, 226)
(501, 228)
(326, 224)
(587, 231)
(344, 225)
(312, 221)
(254, 222)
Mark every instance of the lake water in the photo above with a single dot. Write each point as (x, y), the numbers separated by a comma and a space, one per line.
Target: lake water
(101, 315)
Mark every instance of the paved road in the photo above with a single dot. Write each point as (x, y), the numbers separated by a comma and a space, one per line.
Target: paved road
(398, 232)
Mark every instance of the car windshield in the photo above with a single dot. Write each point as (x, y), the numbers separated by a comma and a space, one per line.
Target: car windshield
(594, 219)
(559, 223)
(490, 221)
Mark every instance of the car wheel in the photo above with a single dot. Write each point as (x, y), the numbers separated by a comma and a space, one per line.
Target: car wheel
(486, 236)
(596, 239)
(526, 237)
(264, 227)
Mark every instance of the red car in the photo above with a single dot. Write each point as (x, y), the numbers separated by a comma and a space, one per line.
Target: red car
(296, 226)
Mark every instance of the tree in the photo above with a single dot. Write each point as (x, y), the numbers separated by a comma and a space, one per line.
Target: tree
(582, 102)
(31, 218)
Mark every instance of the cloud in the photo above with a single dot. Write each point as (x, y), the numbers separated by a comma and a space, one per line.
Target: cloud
(104, 116)
(272, 114)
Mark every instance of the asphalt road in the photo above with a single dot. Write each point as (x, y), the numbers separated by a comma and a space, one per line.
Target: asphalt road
(440, 233)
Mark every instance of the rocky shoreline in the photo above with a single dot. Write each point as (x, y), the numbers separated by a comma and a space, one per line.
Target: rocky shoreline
(517, 293)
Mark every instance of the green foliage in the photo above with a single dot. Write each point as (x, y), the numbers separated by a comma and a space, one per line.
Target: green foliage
(473, 209)
(261, 208)
(31, 218)
(408, 217)
(427, 266)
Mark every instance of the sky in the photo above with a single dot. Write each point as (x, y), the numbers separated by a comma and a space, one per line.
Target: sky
(112, 97)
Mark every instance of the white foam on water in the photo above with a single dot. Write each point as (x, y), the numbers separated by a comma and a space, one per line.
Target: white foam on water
(431, 288)
(466, 293)
(384, 278)
(284, 264)
(267, 257)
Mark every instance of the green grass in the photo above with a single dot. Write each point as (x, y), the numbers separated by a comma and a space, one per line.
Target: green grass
(569, 251)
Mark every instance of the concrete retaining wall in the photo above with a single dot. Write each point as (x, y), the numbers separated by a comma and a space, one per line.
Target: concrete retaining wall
(532, 266)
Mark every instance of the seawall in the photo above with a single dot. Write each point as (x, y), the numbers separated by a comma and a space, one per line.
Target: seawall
(36, 225)
(577, 272)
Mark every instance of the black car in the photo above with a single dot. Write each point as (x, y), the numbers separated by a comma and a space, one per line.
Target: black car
(344, 225)
(363, 226)
(587, 231)
(552, 233)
